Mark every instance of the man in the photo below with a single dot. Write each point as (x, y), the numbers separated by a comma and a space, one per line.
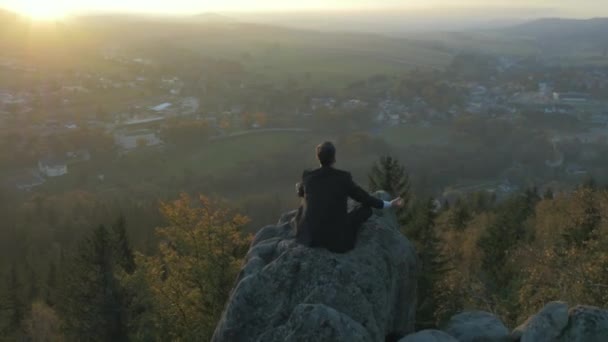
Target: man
(323, 219)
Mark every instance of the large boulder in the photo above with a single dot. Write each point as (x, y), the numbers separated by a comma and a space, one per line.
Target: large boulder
(289, 292)
(477, 326)
(586, 324)
(545, 326)
(429, 336)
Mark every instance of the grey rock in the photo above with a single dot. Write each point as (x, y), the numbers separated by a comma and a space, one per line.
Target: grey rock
(316, 322)
(477, 326)
(545, 326)
(287, 291)
(429, 336)
(586, 324)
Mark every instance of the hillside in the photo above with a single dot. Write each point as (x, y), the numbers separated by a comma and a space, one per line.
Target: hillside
(277, 52)
(582, 40)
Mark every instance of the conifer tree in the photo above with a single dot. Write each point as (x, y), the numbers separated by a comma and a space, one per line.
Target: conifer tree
(421, 229)
(459, 216)
(389, 175)
(51, 285)
(93, 304)
(12, 304)
(500, 238)
(123, 253)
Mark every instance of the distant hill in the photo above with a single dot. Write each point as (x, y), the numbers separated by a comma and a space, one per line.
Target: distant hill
(566, 36)
(556, 28)
(211, 17)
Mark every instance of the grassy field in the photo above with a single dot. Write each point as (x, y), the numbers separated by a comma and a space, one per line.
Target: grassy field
(228, 158)
(403, 136)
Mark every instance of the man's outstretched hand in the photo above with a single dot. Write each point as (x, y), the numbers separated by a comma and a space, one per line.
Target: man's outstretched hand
(397, 203)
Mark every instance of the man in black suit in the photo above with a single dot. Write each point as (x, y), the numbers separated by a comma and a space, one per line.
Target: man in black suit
(323, 219)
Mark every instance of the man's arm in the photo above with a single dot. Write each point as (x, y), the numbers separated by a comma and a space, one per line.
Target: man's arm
(358, 194)
(300, 185)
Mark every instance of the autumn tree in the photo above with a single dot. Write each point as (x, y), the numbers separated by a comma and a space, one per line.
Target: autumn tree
(189, 280)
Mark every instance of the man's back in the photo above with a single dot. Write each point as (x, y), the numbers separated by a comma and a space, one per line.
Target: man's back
(324, 220)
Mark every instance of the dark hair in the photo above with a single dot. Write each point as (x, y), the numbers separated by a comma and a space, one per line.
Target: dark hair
(326, 153)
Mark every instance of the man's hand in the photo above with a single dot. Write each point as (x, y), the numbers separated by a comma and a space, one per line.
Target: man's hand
(397, 202)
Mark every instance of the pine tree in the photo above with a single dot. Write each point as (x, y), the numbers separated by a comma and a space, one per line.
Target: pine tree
(504, 233)
(389, 175)
(51, 285)
(433, 265)
(92, 305)
(12, 304)
(500, 238)
(123, 252)
(459, 216)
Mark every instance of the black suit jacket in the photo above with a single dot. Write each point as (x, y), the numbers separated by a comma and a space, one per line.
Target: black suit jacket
(322, 219)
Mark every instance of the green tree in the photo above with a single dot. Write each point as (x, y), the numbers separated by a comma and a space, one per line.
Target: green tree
(389, 175)
(433, 265)
(459, 216)
(93, 305)
(12, 304)
(497, 244)
(123, 253)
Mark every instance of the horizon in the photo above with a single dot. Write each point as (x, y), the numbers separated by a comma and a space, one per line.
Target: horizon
(41, 10)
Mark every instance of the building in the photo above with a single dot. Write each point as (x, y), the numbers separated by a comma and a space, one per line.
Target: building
(571, 97)
(129, 140)
(53, 167)
(161, 107)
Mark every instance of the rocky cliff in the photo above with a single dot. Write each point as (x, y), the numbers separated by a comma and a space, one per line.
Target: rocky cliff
(288, 292)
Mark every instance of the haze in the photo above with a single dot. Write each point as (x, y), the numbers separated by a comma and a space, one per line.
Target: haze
(55, 9)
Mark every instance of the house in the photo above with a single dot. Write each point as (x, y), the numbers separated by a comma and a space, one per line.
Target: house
(129, 140)
(575, 170)
(571, 97)
(322, 102)
(53, 167)
(161, 107)
(78, 155)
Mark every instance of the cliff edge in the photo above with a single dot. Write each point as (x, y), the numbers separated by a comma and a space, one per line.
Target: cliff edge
(289, 292)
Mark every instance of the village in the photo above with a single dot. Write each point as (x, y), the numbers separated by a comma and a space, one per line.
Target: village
(150, 100)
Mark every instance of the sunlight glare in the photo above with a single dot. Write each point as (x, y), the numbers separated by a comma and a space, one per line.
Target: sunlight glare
(42, 9)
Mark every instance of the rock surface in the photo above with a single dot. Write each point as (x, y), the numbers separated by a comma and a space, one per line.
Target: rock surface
(586, 324)
(477, 326)
(289, 292)
(429, 336)
(545, 326)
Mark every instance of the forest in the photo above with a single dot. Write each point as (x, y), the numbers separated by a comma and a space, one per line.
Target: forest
(66, 279)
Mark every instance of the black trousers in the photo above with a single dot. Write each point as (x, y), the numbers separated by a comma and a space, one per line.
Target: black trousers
(340, 241)
(354, 220)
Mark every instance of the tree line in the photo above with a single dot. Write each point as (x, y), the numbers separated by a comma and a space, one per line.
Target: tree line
(508, 257)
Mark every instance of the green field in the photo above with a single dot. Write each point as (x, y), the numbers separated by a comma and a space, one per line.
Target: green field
(403, 136)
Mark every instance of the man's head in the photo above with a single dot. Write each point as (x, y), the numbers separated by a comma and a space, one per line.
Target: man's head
(326, 153)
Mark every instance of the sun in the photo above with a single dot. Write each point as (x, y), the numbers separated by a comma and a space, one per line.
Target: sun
(42, 9)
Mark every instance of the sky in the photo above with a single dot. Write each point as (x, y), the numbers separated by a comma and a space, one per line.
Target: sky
(52, 9)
